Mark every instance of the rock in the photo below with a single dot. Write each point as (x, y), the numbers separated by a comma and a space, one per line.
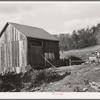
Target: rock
(28, 68)
(51, 83)
(95, 85)
(85, 89)
(78, 89)
(86, 82)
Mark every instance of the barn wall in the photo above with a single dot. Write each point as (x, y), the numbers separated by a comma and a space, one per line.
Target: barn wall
(13, 50)
(51, 49)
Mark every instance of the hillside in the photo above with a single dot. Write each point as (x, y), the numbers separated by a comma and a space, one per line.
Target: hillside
(81, 53)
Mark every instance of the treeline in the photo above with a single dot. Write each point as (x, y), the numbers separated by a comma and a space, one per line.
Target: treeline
(79, 38)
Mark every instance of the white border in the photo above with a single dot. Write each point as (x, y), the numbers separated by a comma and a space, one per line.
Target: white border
(50, 1)
(49, 95)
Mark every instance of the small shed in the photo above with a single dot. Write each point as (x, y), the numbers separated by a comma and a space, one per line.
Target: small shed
(22, 45)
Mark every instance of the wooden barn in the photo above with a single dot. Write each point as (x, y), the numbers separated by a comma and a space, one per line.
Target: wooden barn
(22, 45)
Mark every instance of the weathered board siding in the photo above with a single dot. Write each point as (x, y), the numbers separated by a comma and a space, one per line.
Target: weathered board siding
(51, 48)
(13, 50)
(37, 47)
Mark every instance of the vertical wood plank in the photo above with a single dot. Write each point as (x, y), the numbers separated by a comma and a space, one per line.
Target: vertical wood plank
(13, 49)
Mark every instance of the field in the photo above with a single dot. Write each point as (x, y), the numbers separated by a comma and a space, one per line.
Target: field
(82, 53)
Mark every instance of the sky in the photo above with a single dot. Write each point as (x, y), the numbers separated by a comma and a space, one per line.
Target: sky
(54, 17)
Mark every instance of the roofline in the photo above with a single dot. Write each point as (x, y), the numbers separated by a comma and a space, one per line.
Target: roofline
(38, 28)
(7, 23)
(3, 29)
(43, 39)
(17, 30)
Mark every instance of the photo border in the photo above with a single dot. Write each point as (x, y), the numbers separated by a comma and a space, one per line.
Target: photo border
(59, 96)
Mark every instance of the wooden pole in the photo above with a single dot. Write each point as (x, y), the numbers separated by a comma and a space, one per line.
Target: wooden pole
(45, 62)
(70, 62)
(48, 61)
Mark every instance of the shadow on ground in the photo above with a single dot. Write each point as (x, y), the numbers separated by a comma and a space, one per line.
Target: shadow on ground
(61, 77)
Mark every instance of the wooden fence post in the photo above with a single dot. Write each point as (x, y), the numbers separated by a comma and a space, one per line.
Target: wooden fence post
(45, 62)
(70, 62)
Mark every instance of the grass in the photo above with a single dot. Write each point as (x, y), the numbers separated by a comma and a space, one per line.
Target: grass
(81, 53)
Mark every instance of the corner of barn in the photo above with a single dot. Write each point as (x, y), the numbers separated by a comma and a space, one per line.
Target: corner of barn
(19, 48)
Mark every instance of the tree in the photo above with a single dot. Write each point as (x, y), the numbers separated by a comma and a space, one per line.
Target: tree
(80, 39)
(75, 39)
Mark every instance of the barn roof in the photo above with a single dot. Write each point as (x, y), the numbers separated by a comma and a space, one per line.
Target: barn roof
(33, 32)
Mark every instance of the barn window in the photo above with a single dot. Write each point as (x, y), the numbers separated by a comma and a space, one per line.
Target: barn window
(49, 56)
(35, 43)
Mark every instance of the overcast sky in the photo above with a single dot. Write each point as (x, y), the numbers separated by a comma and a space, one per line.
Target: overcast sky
(54, 17)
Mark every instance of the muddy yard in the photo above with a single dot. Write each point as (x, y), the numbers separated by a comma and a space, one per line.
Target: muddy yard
(83, 78)
(76, 78)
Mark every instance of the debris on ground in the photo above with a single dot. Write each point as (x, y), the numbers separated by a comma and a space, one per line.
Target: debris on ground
(30, 81)
(85, 89)
(82, 79)
(77, 78)
(95, 85)
(78, 89)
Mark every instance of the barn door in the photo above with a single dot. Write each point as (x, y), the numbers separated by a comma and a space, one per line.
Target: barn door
(35, 58)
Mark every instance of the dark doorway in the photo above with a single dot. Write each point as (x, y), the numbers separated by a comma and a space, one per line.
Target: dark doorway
(34, 55)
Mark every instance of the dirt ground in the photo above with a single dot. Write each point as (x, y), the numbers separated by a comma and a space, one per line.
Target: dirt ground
(80, 79)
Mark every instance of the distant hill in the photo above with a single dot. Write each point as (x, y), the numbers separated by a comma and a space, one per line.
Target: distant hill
(82, 53)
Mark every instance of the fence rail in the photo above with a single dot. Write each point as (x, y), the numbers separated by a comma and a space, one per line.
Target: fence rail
(71, 61)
